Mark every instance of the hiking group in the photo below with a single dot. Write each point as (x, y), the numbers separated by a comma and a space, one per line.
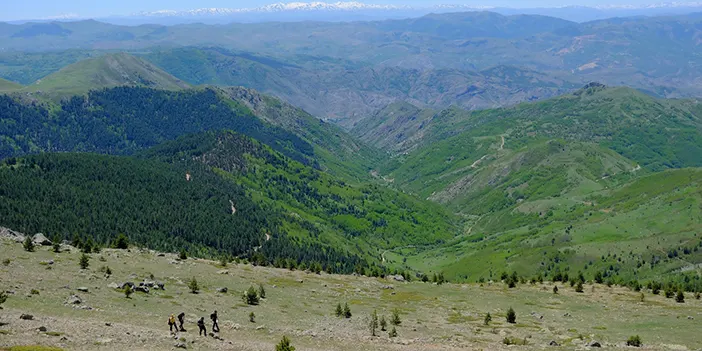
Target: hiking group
(200, 323)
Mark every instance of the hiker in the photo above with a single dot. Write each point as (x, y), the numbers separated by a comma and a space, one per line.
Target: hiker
(172, 323)
(201, 325)
(181, 318)
(215, 326)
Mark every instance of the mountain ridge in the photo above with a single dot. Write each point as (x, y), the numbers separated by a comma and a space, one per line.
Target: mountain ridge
(107, 71)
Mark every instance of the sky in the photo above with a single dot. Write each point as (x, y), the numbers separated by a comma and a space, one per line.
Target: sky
(41, 9)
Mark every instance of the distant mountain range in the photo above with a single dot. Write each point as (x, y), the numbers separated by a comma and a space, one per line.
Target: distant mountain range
(355, 11)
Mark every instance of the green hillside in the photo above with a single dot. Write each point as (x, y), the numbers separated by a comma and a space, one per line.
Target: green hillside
(98, 197)
(7, 86)
(398, 128)
(615, 118)
(124, 120)
(645, 230)
(548, 179)
(338, 152)
(106, 71)
(314, 201)
(239, 195)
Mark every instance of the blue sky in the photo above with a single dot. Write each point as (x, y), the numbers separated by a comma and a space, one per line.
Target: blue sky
(35, 9)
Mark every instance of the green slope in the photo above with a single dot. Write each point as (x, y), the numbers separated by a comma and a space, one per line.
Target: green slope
(616, 118)
(238, 191)
(106, 71)
(8, 86)
(124, 120)
(338, 152)
(644, 230)
(525, 177)
(99, 196)
(316, 205)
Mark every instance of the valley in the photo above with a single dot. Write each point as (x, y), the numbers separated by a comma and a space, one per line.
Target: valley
(442, 167)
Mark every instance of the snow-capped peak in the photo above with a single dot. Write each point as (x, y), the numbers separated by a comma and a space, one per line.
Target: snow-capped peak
(351, 6)
(280, 7)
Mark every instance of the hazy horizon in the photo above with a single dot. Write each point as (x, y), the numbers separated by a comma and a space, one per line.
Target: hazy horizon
(48, 9)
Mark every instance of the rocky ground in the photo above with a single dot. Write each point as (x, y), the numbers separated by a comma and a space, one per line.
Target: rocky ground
(76, 309)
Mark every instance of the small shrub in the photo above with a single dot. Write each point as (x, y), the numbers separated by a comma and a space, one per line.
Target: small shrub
(6, 262)
(339, 311)
(598, 278)
(121, 242)
(76, 242)
(223, 261)
(284, 345)
(555, 289)
(127, 291)
(56, 246)
(383, 323)
(347, 311)
(3, 298)
(393, 333)
(34, 292)
(261, 291)
(28, 244)
(395, 317)
(250, 296)
(373, 324)
(655, 288)
(183, 255)
(579, 287)
(488, 319)
(511, 316)
(193, 286)
(88, 246)
(252, 317)
(642, 297)
(697, 295)
(669, 293)
(102, 259)
(634, 341)
(680, 297)
(84, 261)
(108, 271)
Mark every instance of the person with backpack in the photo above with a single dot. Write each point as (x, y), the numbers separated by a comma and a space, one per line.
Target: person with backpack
(181, 319)
(215, 326)
(201, 325)
(172, 323)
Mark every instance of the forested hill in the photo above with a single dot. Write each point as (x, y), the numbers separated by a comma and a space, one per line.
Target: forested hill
(97, 197)
(316, 204)
(239, 194)
(337, 151)
(123, 120)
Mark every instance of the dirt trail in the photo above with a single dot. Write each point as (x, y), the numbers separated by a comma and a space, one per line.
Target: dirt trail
(476, 163)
